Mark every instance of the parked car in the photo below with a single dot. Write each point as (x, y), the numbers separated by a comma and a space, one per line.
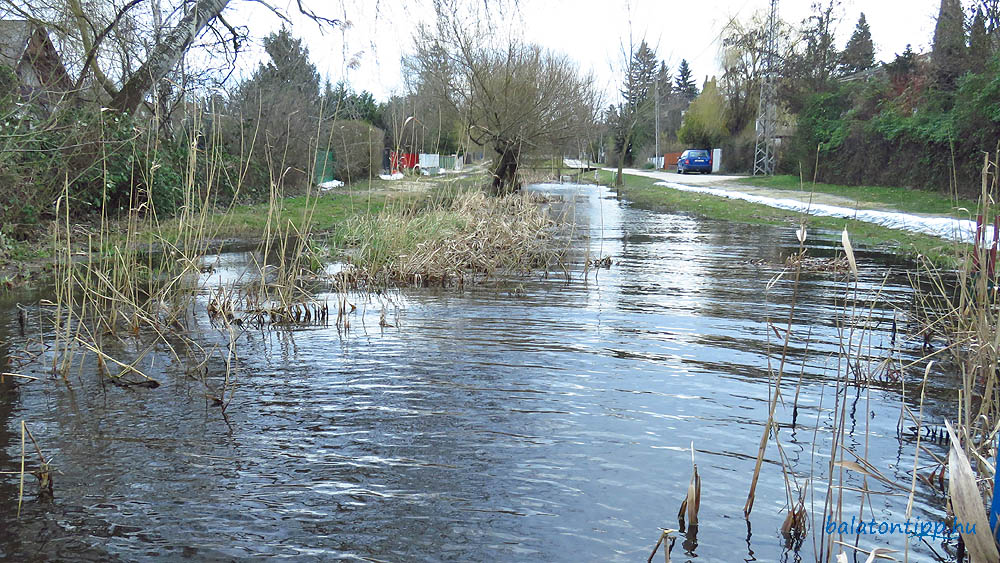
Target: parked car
(695, 160)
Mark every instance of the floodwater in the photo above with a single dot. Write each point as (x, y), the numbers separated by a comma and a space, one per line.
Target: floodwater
(547, 420)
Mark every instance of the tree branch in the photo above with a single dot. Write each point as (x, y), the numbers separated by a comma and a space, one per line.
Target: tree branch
(320, 20)
(90, 60)
(165, 54)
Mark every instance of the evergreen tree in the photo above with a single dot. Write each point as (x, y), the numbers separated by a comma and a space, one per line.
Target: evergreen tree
(290, 68)
(979, 42)
(343, 103)
(859, 54)
(663, 88)
(948, 49)
(635, 115)
(281, 100)
(641, 75)
(663, 80)
(684, 85)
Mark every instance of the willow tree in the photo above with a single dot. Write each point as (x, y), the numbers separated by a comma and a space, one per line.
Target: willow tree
(129, 47)
(516, 97)
(704, 125)
(524, 100)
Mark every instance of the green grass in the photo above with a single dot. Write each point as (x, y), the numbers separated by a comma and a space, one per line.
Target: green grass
(334, 209)
(902, 199)
(330, 210)
(643, 193)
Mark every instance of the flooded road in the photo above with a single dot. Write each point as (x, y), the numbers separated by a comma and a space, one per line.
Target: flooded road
(549, 420)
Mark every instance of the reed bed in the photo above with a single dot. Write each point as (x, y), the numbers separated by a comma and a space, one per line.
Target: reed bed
(956, 314)
(127, 286)
(466, 239)
(959, 312)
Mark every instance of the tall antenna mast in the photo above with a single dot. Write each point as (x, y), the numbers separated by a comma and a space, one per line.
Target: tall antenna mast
(767, 115)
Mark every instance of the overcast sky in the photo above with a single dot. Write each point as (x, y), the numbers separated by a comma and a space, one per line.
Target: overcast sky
(367, 52)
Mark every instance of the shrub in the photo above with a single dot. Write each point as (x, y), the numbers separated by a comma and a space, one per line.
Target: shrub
(357, 148)
(738, 151)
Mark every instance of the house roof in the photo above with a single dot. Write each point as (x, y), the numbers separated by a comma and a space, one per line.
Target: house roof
(14, 38)
(27, 44)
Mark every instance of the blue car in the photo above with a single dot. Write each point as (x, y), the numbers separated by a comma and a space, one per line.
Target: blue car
(694, 160)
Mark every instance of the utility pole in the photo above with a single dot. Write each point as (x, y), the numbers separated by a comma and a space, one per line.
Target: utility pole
(767, 114)
(656, 89)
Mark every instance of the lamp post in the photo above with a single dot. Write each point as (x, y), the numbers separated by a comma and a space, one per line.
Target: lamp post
(656, 89)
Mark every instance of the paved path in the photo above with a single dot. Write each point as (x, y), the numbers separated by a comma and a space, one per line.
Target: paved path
(819, 204)
(734, 183)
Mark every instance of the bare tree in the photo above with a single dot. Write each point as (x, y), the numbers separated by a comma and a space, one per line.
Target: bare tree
(129, 46)
(742, 59)
(516, 97)
(166, 53)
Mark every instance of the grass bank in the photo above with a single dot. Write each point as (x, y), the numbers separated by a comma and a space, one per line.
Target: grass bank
(328, 211)
(328, 214)
(643, 192)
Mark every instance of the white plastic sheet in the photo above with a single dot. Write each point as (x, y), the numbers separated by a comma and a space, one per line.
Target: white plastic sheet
(331, 185)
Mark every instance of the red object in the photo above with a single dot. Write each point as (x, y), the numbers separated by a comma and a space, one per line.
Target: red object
(403, 160)
(670, 159)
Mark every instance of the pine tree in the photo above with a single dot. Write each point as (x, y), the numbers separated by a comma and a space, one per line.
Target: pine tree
(636, 117)
(859, 54)
(290, 66)
(639, 83)
(663, 79)
(979, 42)
(282, 97)
(684, 84)
(663, 82)
(948, 50)
(902, 69)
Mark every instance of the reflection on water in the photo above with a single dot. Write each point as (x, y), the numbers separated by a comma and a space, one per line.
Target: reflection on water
(551, 423)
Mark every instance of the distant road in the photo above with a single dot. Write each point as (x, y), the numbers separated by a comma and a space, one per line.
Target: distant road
(692, 179)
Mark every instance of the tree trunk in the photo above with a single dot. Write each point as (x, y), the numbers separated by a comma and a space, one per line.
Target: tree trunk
(619, 179)
(166, 53)
(505, 179)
